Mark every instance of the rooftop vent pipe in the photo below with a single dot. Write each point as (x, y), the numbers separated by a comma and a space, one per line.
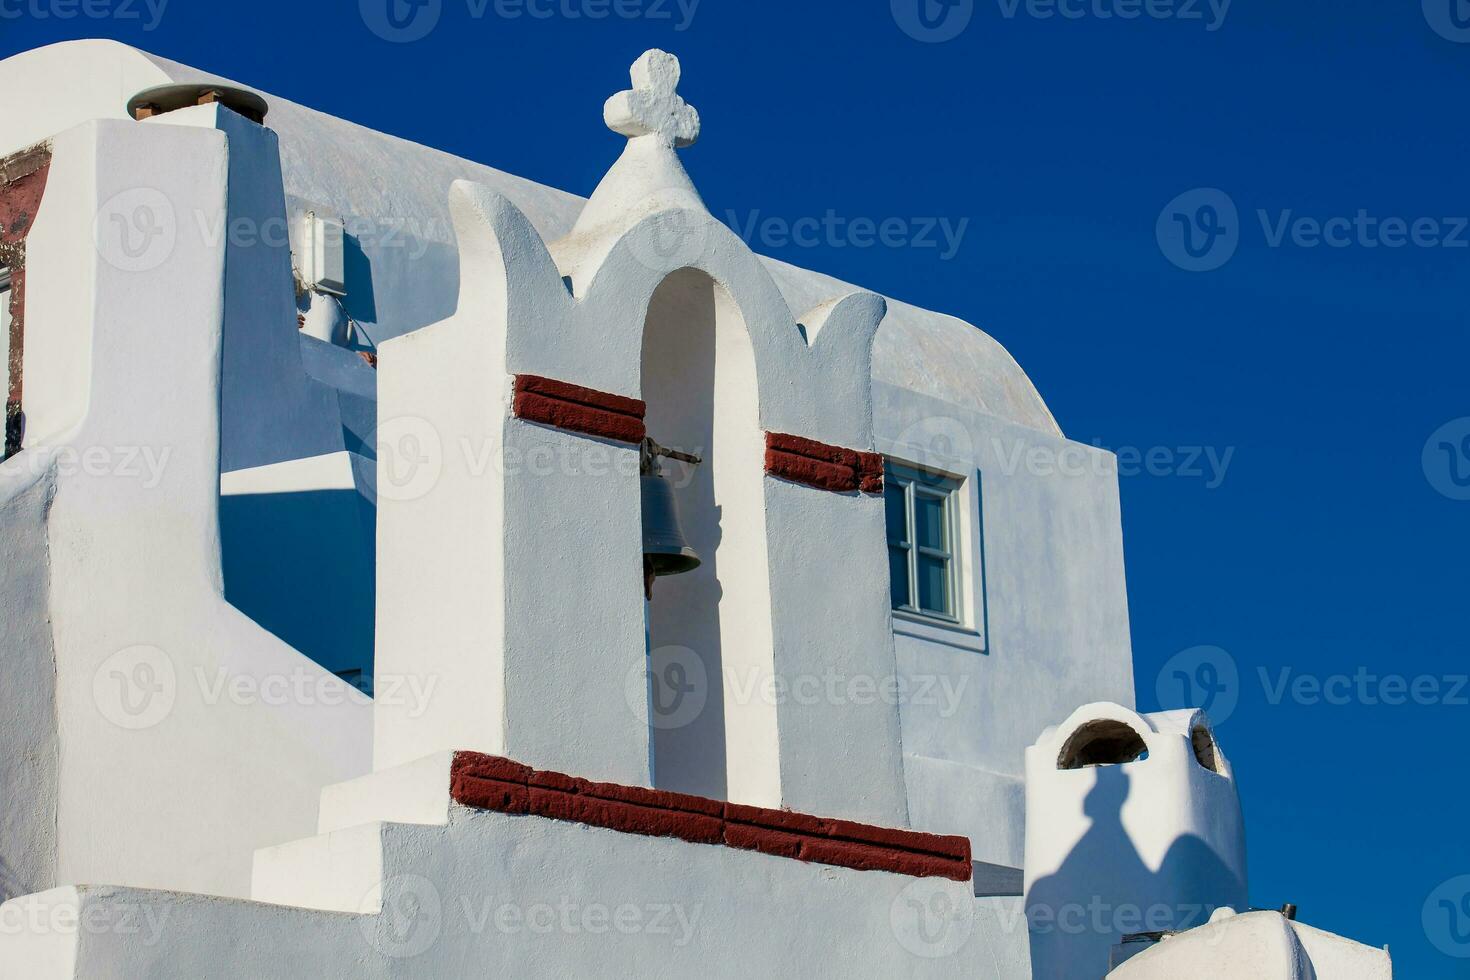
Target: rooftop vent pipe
(166, 98)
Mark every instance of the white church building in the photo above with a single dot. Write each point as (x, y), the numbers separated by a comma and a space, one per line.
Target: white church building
(410, 570)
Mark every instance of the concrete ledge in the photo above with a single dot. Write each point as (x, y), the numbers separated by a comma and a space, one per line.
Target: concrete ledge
(954, 798)
(998, 881)
(337, 872)
(415, 793)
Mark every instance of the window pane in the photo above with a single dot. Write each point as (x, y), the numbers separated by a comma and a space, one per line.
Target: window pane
(934, 585)
(929, 521)
(898, 576)
(893, 496)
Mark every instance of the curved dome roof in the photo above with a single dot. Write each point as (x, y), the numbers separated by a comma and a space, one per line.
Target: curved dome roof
(394, 195)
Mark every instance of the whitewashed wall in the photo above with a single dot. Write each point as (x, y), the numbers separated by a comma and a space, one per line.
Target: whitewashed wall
(1044, 611)
(1125, 847)
(531, 897)
(169, 746)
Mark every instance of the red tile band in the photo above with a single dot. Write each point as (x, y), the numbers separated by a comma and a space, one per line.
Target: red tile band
(491, 783)
(22, 184)
(819, 465)
(578, 409)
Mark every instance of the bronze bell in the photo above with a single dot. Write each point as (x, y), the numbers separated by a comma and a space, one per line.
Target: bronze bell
(665, 549)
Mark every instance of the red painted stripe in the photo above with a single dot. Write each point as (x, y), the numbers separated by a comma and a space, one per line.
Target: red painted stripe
(492, 783)
(22, 185)
(824, 467)
(578, 409)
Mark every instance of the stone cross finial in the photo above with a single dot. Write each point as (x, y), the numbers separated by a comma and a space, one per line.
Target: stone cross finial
(652, 105)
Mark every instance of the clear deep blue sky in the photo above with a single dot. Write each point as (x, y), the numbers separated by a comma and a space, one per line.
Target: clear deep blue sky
(1324, 369)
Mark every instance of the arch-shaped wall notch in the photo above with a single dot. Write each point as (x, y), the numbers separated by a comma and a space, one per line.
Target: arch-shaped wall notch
(1102, 742)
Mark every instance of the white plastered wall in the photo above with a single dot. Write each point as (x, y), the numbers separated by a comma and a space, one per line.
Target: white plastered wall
(498, 895)
(183, 744)
(1044, 610)
(1154, 844)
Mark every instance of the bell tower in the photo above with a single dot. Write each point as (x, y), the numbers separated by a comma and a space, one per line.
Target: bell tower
(513, 564)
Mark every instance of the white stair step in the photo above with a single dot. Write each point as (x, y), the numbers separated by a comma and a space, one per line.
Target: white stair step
(341, 871)
(416, 792)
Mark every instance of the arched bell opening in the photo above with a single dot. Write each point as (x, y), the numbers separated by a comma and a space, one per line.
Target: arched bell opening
(709, 626)
(1102, 742)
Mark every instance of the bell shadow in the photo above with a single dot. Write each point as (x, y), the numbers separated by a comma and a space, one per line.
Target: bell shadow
(1104, 889)
(689, 750)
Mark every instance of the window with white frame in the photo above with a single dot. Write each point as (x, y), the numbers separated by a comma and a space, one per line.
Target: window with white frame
(923, 541)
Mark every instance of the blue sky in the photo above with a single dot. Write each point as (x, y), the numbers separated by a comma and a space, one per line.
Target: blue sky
(1323, 368)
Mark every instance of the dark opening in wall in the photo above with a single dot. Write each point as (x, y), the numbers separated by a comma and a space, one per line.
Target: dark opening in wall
(1104, 742)
(1205, 752)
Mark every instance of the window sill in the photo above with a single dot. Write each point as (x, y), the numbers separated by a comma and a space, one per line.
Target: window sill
(937, 631)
